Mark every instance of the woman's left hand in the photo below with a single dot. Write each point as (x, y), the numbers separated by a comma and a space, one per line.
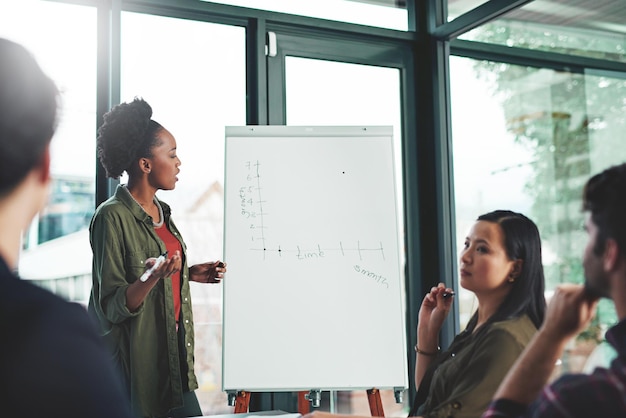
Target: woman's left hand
(433, 312)
(211, 272)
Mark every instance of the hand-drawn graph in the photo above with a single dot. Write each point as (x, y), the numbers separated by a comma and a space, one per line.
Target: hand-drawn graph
(253, 213)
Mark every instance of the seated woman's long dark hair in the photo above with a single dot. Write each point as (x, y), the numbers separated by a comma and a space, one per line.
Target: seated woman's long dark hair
(521, 242)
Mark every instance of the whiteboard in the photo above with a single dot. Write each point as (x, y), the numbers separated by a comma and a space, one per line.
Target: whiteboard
(312, 297)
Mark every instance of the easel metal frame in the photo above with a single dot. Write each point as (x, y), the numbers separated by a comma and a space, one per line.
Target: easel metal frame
(242, 402)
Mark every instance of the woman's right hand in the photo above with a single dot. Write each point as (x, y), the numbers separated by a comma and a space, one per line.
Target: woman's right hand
(136, 292)
(168, 267)
(433, 312)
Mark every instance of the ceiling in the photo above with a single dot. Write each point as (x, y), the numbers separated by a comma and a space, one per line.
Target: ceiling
(604, 15)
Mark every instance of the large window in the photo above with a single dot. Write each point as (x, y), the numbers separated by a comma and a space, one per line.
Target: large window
(67, 53)
(527, 139)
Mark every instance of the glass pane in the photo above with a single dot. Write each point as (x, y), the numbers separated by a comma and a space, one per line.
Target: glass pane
(390, 14)
(193, 76)
(458, 7)
(329, 93)
(527, 139)
(67, 53)
(590, 28)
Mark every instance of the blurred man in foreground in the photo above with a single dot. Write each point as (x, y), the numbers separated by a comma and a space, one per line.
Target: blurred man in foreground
(524, 392)
(52, 361)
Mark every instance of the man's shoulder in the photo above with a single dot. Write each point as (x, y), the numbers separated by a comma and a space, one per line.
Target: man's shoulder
(573, 395)
(20, 294)
(37, 307)
(600, 393)
(54, 354)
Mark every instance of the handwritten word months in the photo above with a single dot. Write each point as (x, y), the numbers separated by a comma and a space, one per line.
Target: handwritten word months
(371, 275)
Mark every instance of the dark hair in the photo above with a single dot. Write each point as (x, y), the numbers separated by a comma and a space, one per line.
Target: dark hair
(28, 113)
(127, 134)
(521, 241)
(604, 196)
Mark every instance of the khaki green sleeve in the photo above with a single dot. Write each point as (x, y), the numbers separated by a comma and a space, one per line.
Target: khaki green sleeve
(109, 269)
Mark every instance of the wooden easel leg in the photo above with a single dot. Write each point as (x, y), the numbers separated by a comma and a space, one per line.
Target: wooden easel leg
(376, 405)
(304, 405)
(242, 401)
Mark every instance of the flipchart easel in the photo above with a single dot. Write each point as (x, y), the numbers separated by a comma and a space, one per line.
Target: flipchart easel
(306, 399)
(273, 230)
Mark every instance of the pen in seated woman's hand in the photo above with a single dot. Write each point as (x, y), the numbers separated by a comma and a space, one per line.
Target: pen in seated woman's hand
(211, 272)
(434, 310)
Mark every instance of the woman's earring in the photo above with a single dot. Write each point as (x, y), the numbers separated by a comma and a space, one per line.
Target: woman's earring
(511, 279)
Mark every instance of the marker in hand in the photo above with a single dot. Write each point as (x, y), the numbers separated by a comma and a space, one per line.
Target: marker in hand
(160, 259)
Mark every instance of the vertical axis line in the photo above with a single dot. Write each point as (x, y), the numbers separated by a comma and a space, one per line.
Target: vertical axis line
(258, 188)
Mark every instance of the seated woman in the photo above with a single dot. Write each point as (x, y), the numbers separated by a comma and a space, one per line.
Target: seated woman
(501, 264)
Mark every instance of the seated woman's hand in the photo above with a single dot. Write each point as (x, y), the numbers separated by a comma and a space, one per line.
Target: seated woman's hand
(434, 310)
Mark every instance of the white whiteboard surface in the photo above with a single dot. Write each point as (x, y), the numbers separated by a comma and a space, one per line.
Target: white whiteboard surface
(312, 297)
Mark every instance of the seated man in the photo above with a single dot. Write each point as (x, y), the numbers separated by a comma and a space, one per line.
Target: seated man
(524, 393)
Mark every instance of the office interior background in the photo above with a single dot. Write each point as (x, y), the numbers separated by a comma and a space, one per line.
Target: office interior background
(507, 104)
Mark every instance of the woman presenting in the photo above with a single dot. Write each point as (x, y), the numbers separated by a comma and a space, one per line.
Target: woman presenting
(144, 306)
